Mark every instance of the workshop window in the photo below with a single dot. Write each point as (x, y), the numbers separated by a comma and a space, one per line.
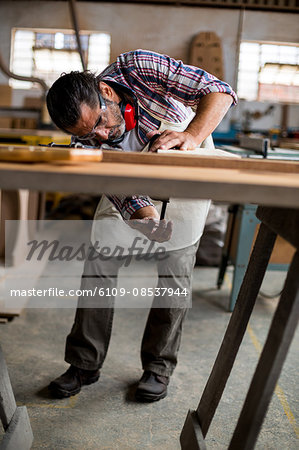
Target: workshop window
(48, 53)
(269, 71)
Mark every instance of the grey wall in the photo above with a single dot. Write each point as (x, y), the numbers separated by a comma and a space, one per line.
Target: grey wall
(166, 29)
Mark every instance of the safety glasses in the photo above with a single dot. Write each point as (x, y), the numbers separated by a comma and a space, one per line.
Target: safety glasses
(93, 134)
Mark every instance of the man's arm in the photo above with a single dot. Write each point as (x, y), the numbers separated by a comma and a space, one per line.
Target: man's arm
(210, 111)
(140, 214)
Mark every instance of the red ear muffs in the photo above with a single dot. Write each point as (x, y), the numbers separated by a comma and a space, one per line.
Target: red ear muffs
(128, 112)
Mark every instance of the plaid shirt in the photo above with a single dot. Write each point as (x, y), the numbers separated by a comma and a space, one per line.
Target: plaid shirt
(164, 86)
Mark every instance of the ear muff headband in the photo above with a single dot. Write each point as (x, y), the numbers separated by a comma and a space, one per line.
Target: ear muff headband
(102, 101)
(128, 112)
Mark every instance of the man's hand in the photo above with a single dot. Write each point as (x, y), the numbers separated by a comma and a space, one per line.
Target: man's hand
(154, 229)
(147, 221)
(174, 139)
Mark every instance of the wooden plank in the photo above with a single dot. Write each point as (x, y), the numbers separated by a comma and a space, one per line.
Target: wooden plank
(206, 53)
(270, 364)
(236, 328)
(31, 153)
(7, 399)
(19, 433)
(192, 160)
(22, 153)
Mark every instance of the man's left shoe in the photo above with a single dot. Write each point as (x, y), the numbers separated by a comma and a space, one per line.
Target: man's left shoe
(151, 387)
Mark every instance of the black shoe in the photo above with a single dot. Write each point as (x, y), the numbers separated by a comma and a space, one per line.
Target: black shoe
(151, 387)
(70, 382)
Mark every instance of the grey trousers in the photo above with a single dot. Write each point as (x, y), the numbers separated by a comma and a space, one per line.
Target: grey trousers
(88, 341)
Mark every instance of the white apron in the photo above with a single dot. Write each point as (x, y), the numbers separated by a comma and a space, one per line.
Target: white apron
(111, 232)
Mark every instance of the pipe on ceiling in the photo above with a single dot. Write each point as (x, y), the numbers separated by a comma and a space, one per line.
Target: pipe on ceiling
(72, 4)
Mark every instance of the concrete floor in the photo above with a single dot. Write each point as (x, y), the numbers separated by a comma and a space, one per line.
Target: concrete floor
(105, 415)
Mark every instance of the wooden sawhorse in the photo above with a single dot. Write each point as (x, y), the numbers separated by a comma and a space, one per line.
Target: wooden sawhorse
(275, 221)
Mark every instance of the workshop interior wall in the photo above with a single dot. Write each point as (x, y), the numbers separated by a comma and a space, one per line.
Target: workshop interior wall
(166, 29)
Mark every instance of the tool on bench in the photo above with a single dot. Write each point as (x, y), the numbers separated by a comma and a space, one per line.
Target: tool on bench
(71, 145)
(257, 144)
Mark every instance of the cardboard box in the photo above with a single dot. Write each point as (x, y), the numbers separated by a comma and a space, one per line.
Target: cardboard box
(5, 100)
(5, 95)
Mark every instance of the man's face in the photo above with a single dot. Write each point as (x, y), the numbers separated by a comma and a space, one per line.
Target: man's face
(100, 124)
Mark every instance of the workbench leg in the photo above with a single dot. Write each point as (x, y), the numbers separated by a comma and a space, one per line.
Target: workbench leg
(233, 337)
(270, 364)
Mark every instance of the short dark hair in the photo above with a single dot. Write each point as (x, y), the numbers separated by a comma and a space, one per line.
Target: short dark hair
(66, 95)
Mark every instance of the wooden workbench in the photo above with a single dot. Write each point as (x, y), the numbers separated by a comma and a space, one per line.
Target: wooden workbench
(273, 183)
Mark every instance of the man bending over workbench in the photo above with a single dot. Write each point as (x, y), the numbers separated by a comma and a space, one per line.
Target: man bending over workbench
(143, 102)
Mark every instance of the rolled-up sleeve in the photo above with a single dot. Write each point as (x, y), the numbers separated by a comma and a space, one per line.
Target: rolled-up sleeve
(127, 206)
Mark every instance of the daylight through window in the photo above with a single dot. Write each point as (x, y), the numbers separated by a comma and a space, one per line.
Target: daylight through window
(48, 53)
(269, 71)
